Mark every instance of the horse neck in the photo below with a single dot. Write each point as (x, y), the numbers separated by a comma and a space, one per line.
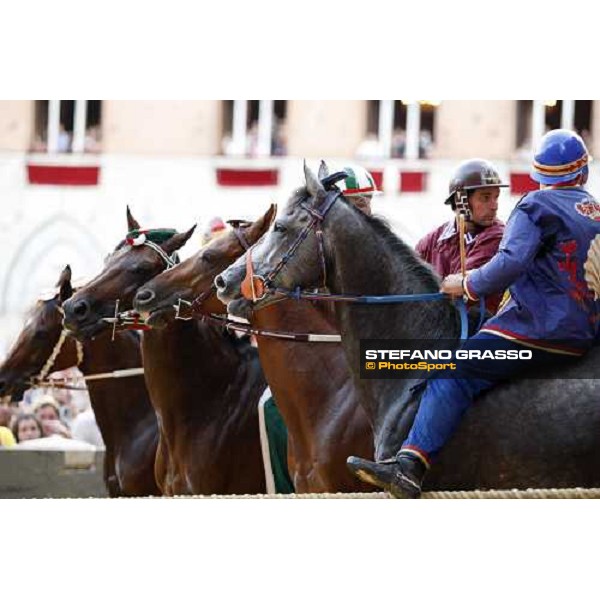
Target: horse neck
(384, 265)
(194, 374)
(286, 363)
(299, 317)
(118, 403)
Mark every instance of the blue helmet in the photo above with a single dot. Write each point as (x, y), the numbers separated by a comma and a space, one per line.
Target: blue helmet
(560, 157)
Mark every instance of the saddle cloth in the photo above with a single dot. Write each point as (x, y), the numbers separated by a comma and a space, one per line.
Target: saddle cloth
(273, 443)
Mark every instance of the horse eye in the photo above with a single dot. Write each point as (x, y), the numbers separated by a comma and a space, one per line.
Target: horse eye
(208, 257)
(279, 228)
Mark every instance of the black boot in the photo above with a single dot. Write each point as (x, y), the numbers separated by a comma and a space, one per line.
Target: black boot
(402, 475)
(408, 477)
(379, 474)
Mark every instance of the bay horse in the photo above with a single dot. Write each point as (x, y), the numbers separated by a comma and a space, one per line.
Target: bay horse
(204, 384)
(520, 434)
(121, 405)
(311, 383)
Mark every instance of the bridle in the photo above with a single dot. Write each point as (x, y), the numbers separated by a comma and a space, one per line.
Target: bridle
(195, 306)
(40, 378)
(257, 287)
(142, 240)
(127, 320)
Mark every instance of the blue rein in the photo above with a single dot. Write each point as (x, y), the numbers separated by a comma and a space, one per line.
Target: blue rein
(317, 218)
(461, 305)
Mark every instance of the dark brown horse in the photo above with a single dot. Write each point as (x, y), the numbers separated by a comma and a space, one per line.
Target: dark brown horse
(204, 384)
(311, 383)
(123, 411)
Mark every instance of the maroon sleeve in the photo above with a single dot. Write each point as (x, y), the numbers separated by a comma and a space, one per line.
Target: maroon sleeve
(423, 247)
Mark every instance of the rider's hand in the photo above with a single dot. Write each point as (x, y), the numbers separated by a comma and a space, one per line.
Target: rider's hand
(453, 285)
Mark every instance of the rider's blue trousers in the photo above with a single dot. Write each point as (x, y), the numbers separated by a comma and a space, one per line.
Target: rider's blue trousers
(445, 400)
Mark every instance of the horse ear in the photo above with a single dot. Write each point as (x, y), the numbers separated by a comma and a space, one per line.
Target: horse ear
(177, 241)
(131, 222)
(323, 170)
(259, 227)
(313, 185)
(65, 290)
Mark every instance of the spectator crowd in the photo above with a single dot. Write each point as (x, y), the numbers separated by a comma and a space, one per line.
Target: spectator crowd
(54, 418)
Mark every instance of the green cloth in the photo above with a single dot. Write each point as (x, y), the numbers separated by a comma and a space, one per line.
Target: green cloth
(277, 434)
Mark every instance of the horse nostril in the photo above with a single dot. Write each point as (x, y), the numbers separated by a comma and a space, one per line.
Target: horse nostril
(144, 296)
(220, 283)
(2, 386)
(81, 309)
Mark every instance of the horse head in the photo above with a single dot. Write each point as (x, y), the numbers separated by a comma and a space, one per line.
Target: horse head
(143, 254)
(292, 254)
(31, 354)
(193, 278)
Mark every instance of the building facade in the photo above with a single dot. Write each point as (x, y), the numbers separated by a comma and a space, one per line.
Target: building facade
(69, 168)
(457, 128)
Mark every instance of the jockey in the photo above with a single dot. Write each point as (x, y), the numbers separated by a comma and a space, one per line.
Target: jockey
(474, 190)
(358, 187)
(549, 259)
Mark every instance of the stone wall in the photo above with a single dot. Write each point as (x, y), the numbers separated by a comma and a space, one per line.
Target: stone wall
(51, 474)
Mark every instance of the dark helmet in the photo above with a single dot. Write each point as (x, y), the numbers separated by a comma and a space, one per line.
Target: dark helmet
(560, 157)
(473, 175)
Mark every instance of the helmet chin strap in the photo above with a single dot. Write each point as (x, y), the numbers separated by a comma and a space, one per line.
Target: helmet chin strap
(462, 204)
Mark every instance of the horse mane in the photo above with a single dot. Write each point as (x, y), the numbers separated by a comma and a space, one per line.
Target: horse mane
(414, 265)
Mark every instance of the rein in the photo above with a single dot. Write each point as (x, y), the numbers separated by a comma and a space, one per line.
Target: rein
(64, 383)
(282, 335)
(40, 378)
(257, 287)
(229, 324)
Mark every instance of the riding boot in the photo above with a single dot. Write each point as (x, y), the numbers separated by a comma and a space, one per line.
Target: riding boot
(379, 474)
(408, 476)
(402, 475)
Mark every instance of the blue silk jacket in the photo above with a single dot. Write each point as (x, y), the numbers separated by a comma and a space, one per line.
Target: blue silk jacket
(541, 261)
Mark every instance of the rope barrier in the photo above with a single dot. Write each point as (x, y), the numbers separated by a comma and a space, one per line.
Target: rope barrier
(532, 494)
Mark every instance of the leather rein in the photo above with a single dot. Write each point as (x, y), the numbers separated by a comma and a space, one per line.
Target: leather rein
(257, 287)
